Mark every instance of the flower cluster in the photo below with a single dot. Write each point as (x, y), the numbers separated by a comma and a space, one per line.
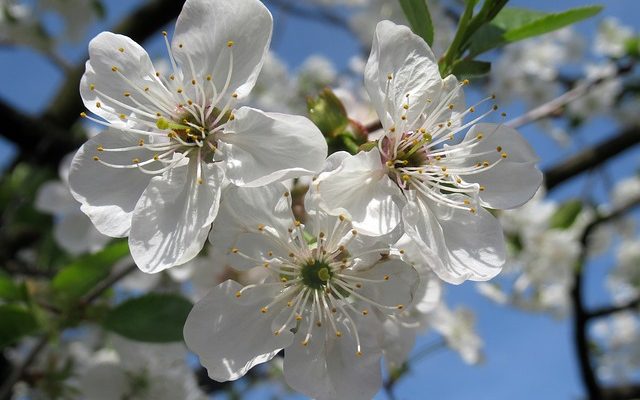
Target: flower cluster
(352, 273)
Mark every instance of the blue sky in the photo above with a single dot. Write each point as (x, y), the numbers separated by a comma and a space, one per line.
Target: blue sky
(528, 356)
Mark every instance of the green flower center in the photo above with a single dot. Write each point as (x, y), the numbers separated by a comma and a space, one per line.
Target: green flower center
(315, 274)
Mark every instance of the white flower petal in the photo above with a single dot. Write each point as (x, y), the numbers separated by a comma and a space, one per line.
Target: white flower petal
(230, 336)
(398, 343)
(360, 189)
(468, 246)
(399, 283)
(262, 147)
(203, 31)
(111, 57)
(515, 179)
(243, 212)
(399, 54)
(54, 197)
(108, 195)
(173, 216)
(75, 233)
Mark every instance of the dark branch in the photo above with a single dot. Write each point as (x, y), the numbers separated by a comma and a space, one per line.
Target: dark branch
(16, 374)
(580, 315)
(318, 14)
(591, 157)
(605, 311)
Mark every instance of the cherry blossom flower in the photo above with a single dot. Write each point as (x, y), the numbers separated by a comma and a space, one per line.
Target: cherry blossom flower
(157, 173)
(418, 177)
(328, 291)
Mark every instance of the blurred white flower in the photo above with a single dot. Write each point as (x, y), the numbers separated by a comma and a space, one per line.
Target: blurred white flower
(611, 38)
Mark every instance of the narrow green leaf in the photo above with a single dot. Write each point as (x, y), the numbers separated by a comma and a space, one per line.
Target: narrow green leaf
(79, 277)
(154, 317)
(514, 24)
(470, 69)
(417, 13)
(566, 215)
(16, 323)
(551, 22)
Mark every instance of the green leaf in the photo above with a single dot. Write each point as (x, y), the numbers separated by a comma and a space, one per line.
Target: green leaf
(566, 215)
(514, 24)
(16, 323)
(154, 317)
(552, 22)
(419, 18)
(79, 277)
(470, 69)
(328, 113)
(9, 291)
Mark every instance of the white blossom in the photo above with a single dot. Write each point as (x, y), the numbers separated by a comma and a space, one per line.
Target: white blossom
(612, 37)
(322, 302)
(157, 173)
(416, 175)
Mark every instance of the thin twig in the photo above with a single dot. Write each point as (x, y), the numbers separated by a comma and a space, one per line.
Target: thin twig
(18, 372)
(605, 311)
(103, 286)
(553, 106)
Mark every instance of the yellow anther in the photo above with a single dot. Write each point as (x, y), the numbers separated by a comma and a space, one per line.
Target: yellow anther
(230, 43)
(338, 334)
(286, 194)
(466, 202)
(321, 235)
(284, 279)
(135, 161)
(96, 158)
(100, 148)
(121, 49)
(405, 106)
(265, 264)
(493, 96)
(289, 303)
(305, 343)
(450, 106)
(400, 306)
(158, 74)
(179, 90)
(276, 333)
(403, 117)
(389, 76)
(92, 86)
(359, 285)
(83, 114)
(292, 255)
(200, 181)
(114, 68)
(172, 77)
(479, 136)
(503, 114)
(193, 81)
(238, 293)
(334, 310)
(234, 250)
(180, 45)
(401, 251)
(482, 188)
(465, 82)
(472, 109)
(164, 33)
(444, 169)
(298, 317)
(146, 88)
(503, 155)
(126, 94)
(354, 232)
(358, 353)
(234, 95)
(495, 107)
(209, 77)
(499, 148)
(122, 116)
(458, 180)
(406, 178)
(190, 102)
(342, 217)
(473, 210)
(386, 277)
(156, 157)
(485, 164)
(98, 105)
(232, 117)
(264, 310)
(261, 227)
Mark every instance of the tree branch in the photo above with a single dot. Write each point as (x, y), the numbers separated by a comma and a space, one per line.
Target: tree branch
(591, 157)
(580, 315)
(16, 374)
(605, 311)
